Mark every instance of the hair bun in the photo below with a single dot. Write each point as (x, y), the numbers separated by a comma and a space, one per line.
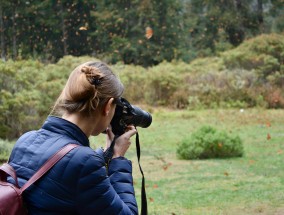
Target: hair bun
(87, 70)
(93, 75)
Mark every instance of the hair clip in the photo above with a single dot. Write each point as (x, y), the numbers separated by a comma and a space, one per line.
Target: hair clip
(96, 81)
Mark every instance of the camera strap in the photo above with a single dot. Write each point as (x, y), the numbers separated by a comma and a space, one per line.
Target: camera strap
(108, 156)
(144, 210)
(109, 152)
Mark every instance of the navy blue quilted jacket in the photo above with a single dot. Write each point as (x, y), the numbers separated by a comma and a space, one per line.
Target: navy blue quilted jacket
(77, 184)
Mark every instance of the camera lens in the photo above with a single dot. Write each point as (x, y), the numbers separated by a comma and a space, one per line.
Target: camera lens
(140, 117)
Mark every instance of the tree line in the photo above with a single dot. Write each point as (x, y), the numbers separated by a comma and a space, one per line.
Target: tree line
(140, 32)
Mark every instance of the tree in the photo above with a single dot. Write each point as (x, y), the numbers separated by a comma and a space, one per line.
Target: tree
(120, 30)
(2, 37)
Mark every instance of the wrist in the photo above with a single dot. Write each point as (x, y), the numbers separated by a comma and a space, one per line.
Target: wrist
(117, 156)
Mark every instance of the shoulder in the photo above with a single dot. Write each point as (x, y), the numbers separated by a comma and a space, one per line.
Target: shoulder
(86, 159)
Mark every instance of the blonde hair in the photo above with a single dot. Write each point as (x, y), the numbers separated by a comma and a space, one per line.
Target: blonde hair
(89, 86)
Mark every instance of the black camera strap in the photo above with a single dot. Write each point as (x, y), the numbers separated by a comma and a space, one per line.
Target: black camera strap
(109, 152)
(108, 156)
(144, 210)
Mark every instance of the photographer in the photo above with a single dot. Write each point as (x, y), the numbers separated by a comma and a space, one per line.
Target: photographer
(82, 182)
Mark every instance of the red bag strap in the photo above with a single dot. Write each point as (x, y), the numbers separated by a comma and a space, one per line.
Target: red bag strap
(48, 165)
(9, 170)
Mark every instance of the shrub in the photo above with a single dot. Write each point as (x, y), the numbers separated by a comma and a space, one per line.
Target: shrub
(221, 89)
(133, 79)
(161, 84)
(5, 150)
(263, 54)
(207, 142)
(28, 89)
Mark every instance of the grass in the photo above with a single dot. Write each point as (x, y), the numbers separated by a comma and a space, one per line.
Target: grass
(252, 184)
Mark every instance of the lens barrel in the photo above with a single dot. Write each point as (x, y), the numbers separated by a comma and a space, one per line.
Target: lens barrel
(139, 118)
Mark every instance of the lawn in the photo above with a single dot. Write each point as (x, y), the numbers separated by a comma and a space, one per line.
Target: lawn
(252, 184)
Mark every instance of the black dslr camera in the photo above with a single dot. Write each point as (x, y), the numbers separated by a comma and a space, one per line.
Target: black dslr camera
(127, 114)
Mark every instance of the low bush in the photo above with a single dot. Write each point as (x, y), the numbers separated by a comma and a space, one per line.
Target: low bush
(208, 142)
(5, 150)
(226, 89)
(264, 54)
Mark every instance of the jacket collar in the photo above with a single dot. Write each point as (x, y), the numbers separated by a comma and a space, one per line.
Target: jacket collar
(64, 127)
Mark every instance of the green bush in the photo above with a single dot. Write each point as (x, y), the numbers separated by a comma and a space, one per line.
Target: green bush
(5, 150)
(207, 142)
(264, 54)
(227, 89)
(161, 84)
(133, 79)
(28, 89)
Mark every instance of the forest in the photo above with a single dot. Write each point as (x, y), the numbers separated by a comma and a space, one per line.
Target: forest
(140, 32)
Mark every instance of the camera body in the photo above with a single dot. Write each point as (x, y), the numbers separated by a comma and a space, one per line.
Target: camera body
(127, 114)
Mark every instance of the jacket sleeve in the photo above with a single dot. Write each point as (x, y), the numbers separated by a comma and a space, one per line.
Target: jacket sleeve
(98, 193)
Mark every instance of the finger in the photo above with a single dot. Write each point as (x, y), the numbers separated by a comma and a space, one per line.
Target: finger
(109, 137)
(131, 130)
(110, 133)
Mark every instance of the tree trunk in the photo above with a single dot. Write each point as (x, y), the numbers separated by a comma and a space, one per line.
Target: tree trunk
(2, 38)
(14, 33)
(64, 31)
(260, 15)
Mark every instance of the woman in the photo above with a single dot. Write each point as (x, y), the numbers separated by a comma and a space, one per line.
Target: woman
(80, 183)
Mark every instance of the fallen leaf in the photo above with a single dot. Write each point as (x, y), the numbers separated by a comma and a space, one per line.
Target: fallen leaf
(155, 186)
(226, 173)
(251, 162)
(151, 199)
(268, 137)
(279, 152)
(165, 167)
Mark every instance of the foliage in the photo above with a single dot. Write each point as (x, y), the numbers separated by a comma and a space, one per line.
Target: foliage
(28, 88)
(161, 84)
(115, 31)
(5, 150)
(223, 89)
(19, 96)
(207, 142)
(133, 78)
(264, 54)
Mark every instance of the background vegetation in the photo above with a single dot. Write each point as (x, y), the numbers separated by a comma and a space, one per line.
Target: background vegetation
(116, 30)
(251, 75)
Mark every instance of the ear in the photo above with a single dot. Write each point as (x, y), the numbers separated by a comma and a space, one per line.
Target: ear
(107, 107)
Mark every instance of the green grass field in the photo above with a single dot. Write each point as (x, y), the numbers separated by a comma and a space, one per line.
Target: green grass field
(252, 184)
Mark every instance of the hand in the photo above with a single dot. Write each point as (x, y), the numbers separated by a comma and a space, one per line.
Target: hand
(109, 137)
(122, 143)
